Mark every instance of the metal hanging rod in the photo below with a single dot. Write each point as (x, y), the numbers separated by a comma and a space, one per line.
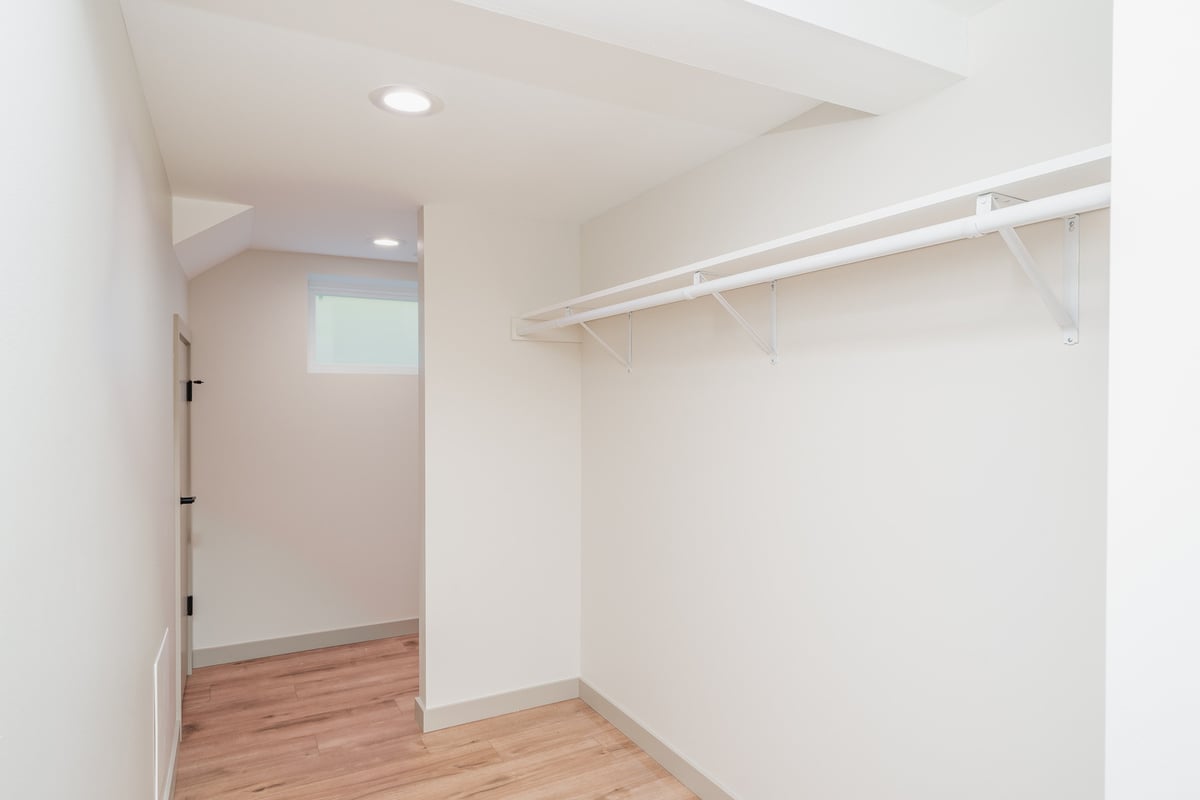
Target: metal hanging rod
(982, 223)
(1087, 166)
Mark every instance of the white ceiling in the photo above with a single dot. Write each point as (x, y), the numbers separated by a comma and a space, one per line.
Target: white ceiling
(553, 109)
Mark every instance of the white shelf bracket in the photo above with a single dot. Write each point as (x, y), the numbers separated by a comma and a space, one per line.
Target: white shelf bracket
(1071, 270)
(627, 360)
(1066, 311)
(771, 348)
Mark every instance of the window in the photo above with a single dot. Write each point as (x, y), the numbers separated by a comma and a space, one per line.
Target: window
(362, 325)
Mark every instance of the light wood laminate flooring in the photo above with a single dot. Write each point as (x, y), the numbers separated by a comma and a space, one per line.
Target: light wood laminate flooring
(338, 724)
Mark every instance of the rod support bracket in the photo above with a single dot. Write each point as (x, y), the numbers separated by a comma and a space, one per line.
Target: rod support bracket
(1065, 311)
(1071, 275)
(771, 346)
(994, 201)
(625, 361)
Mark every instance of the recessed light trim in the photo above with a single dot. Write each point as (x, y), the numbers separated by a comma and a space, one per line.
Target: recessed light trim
(386, 241)
(407, 100)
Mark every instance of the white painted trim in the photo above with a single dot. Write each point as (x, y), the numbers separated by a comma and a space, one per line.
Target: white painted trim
(352, 286)
(419, 713)
(355, 286)
(244, 651)
(447, 716)
(360, 369)
(688, 773)
(563, 335)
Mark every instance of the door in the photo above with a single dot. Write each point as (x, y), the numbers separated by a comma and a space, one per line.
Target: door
(183, 455)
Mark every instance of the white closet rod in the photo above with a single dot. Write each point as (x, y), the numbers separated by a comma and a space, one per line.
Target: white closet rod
(1056, 206)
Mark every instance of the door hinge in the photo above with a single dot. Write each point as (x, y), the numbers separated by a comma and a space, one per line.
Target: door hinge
(190, 384)
(189, 605)
(186, 501)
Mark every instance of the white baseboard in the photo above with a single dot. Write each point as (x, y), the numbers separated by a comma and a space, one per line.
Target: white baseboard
(227, 654)
(688, 773)
(419, 714)
(447, 716)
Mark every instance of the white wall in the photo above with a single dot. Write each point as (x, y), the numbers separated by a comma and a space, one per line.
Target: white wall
(1153, 698)
(1039, 88)
(876, 569)
(501, 439)
(306, 484)
(87, 505)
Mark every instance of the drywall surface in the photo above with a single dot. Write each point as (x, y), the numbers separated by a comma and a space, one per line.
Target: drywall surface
(1039, 87)
(501, 440)
(875, 570)
(1153, 698)
(87, 516)
(306, 484)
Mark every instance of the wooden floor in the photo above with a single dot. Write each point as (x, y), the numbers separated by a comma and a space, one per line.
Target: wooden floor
(337, 724)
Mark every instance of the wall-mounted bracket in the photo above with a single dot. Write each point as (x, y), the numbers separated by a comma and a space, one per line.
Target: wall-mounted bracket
(994, 201)
(1065, 311)
(627, 361)
(771, 348)
(555, 335)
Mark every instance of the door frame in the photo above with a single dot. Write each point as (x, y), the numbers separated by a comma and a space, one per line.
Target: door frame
(180, 332)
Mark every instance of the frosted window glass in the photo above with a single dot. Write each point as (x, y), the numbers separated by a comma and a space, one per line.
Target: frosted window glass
(364, 331)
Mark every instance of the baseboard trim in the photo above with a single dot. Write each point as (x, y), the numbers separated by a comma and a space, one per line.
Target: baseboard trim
(447, 716)
(419, 713)
(688, 773)
(227, 654)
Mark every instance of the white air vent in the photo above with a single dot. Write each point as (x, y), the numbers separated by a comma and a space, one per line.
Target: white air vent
(164, 716)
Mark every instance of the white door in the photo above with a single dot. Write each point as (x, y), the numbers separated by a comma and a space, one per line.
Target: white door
(183, 449)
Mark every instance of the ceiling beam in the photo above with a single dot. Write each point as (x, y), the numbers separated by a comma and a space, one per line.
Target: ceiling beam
(873, 56)
(917, 29)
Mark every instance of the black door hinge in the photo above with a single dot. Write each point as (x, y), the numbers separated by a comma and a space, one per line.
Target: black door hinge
(189, 605)
(186, 501)
(190, 384)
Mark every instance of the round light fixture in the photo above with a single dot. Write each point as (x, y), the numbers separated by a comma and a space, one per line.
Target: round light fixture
(386, 241)
(405, 100)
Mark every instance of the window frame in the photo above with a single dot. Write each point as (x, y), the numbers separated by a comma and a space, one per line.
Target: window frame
(355, 286)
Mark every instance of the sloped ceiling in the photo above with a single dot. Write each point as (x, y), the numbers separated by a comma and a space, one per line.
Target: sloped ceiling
(551, 109)
(207, 232)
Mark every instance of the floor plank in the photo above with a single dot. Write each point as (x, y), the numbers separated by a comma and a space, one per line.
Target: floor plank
(337, 724)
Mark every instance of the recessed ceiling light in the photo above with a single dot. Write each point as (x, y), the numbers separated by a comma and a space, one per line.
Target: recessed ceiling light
(405, 100)
(385, 241)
